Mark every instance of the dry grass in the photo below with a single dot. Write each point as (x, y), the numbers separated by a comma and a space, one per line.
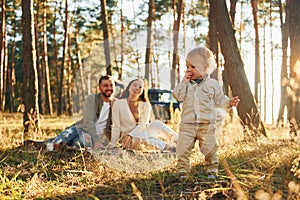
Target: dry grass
(262, 168)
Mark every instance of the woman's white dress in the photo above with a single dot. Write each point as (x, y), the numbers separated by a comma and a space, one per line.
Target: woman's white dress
(154, 133)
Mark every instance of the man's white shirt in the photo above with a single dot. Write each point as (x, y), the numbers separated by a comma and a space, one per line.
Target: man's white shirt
(102, 120)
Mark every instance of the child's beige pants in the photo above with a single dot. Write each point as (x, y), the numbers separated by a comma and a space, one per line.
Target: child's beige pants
(188, 134)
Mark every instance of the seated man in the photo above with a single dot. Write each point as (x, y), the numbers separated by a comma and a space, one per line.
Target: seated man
(93, 131)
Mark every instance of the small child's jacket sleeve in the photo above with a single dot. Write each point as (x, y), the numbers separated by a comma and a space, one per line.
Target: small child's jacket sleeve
(221, 100)
(180, 91)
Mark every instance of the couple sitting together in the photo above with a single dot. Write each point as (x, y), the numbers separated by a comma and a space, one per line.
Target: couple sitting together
(126, 122)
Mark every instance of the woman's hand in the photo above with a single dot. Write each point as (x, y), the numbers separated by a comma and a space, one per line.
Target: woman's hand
(127, 142)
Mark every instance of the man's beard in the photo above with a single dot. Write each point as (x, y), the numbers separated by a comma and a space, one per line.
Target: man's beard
(105, 95)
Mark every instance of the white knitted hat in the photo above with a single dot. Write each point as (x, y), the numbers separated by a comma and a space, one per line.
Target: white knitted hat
(203, 59)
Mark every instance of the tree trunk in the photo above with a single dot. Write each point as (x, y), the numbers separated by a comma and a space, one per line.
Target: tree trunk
(48, 98)
(241, 23)
(114, 46)
(292, 7)
(2, 33)
(120, 69)
(212, 41)
(11, 71)
(175, 58)
(80, 65)
(41, 96)
(69, 102)
(247, 109)
(265, 68)
(106, 37)
(232, 11)
(272, 64)
(284, 36)
(80, 90)
(225, 71)
(30, 85)
(55, 49)
(257, 53)
(149, 52)
(63, 63)
(3, 57)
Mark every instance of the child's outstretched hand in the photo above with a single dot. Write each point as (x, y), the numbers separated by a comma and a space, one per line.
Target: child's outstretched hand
(234, 101)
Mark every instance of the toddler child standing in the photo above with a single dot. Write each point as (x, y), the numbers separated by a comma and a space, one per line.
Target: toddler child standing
(200, 96)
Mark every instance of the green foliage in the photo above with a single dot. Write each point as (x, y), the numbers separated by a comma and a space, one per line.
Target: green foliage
(162, 7)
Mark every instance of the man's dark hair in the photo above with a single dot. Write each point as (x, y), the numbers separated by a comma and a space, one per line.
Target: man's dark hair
(105, 77)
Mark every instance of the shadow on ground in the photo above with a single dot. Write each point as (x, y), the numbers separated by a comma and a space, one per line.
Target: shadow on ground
(82, 175)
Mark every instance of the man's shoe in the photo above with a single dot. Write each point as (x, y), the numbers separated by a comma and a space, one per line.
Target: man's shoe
(170, 148)
(49, 146)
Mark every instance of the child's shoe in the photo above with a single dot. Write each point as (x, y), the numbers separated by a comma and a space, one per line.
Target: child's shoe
(212, 176)
(183, 175)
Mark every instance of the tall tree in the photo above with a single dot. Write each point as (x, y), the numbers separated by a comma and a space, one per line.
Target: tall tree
(247, 108)
(79, 63)
(212, 42)
(265, 67)
(292, 7)
(257, 51)
(63, 62)
(3, 56)
(37, 31)
(149, 51)
(232, 10)
(284, 77)
(30, 85)
(48, 98)
(106, 37)
(178, 9)
(272, 57)
(241, 24)
(55, 49)
(11, 76)
(120, 68)
(70, 75)
(225, 71)
(115, 46)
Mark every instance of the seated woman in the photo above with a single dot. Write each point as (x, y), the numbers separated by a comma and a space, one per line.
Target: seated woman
(131, 121)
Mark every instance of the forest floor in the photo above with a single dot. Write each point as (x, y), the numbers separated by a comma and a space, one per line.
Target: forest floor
(256, 168)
